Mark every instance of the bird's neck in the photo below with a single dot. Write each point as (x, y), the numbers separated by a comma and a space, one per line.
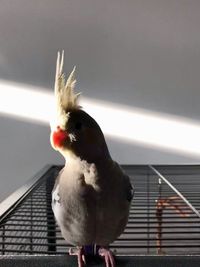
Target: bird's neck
(101, 156)
(71, 158)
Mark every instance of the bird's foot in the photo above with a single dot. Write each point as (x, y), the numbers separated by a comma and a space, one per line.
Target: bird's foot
(108, 256)
(79, 252)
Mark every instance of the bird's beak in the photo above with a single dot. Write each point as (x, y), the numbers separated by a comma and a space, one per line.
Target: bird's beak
(59, 137)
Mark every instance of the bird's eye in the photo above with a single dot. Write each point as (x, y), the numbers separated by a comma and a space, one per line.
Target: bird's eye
(78, 126)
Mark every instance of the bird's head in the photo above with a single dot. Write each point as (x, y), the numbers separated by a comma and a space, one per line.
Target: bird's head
(73, 131)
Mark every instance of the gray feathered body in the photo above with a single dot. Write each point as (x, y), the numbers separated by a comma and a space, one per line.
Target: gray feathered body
(91, 202)
(92, 195)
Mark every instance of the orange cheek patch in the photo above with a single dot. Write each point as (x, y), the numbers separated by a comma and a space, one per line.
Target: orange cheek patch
(59, 137)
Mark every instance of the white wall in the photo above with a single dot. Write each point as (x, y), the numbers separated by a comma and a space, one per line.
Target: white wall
(143, 54)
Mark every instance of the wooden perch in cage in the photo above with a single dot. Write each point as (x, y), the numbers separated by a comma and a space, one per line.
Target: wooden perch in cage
(172, 203)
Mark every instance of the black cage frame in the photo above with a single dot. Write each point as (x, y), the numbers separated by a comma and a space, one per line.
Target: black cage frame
(162, 230)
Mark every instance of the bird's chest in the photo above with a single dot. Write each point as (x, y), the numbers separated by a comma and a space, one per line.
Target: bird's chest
(74, 211)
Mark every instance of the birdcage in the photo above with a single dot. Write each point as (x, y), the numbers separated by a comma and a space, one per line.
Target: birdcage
(163, 227)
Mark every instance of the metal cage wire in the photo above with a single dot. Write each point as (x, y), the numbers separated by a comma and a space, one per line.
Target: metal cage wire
(160, 222)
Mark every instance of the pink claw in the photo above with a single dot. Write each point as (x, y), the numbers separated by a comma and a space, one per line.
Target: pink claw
(108, 256)
(80, 255)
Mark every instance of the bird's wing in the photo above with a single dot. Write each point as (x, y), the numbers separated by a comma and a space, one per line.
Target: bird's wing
(129, 189)
(126, 184)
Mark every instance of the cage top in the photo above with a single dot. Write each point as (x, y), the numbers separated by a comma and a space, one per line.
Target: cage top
(160, 222)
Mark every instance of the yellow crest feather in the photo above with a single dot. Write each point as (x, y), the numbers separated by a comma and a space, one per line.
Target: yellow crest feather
(66, 99)
(64, 91)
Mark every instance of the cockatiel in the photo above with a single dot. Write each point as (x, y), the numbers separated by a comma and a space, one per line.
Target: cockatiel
(91, 197)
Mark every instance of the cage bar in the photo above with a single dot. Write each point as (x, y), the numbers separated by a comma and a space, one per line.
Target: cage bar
(28, 227)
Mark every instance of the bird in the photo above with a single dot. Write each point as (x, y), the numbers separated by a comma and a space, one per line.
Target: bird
(92, 195)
